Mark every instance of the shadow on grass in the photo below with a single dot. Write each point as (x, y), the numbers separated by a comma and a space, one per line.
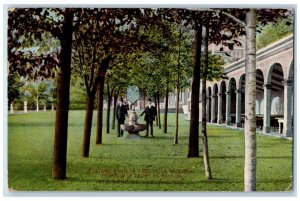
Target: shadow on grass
(40, 124)
(31, 124)
(137, 182)
(138, 158)
(212, 136)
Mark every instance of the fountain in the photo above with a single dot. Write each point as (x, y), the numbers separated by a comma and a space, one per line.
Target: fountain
(133, 127)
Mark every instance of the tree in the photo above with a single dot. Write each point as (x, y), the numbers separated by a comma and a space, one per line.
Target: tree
(40, 91)
(248, 19)
(250, 98)
(177, 89)
(92, 38)
(207, 167)
(32, 23)
(13, 88)
(194, 123)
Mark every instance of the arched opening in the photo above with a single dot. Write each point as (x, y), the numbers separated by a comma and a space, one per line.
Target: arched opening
(259, 98)
(242, 107)
(275, 79)
(273, 96)
(289, 110)
(208, 112)
(232, 89)
(216, 98)
(223, 108)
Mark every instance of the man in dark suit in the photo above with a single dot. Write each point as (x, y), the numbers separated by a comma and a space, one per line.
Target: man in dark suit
(150, 113)
(121, 112)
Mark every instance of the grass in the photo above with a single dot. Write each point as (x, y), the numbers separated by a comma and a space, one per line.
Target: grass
(147, 164)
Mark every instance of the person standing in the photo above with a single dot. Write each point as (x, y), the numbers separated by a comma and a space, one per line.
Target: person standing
(150, 113)
(121, 112)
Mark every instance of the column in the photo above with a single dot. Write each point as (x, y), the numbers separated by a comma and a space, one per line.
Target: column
(25, 106)
(52, 106)
(11, 108)
(37, 106)
(213, 109)
(287, 115)
(220, 108)
(228, 108)
(207, 109)
(238, 108)
(267, 107)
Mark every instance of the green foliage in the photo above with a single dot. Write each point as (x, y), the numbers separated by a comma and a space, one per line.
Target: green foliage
(274, 31)
(215, 70)
(147, 164)
(14, 85)
(77, 94)
(33, 41)
(156, 70)
(42, 91)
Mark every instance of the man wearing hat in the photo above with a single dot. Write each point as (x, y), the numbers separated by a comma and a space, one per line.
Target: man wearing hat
(150, 113)
(121, 112)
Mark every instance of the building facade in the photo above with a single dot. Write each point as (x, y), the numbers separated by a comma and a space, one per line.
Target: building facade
(274, 86)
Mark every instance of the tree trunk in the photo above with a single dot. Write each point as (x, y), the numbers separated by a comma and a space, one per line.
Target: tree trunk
(158, 110)
(63, 99)
(144, 94)
(100, 110)
(250, 98)
(156, 105)
(166, 109)
(109, 97)
(207, 168)
(90, 99)
(194, 123)
(114, 109)
(37, 104)
(178, 90)
(177, 116)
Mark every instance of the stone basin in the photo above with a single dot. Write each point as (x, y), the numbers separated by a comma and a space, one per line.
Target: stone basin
(133, 128)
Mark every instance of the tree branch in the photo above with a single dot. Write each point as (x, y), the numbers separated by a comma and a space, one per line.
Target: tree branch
(225, 13)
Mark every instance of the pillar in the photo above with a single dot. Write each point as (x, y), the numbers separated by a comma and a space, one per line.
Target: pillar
(228, 108)
(287, 115)
(207, 109)
(220, 108)
(267, 107)
(213, 109)
(11, 108)
(37, 106)
(52, 106)
(25, 106)
(45, 108)
(238, 108)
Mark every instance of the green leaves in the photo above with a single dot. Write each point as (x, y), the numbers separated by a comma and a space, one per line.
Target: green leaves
(274, 31)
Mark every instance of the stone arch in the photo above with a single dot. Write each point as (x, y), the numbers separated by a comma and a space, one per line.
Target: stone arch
(274, 97)
(222, 92)
(241, 87)
(232, 104)
(291, 71)
(276, 76)
(208, 112)
(260, 81)
(276, 67)
(215, 105)
(222, 87)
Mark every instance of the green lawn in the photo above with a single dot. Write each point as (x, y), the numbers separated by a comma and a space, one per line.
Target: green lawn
(147, 164)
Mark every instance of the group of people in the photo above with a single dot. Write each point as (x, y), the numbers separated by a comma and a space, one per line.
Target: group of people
(150, 114)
